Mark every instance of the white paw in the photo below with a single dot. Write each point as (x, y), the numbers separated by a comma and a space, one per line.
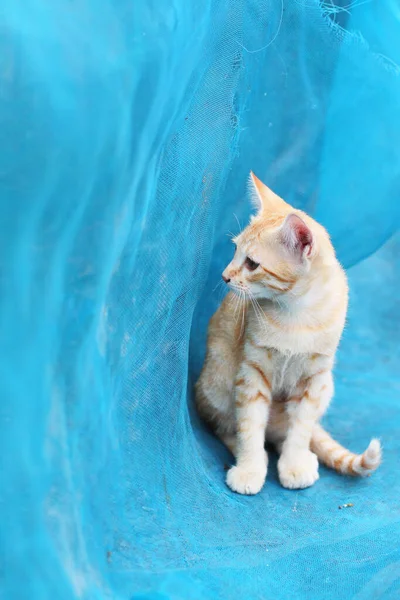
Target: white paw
(298, 471)
(246, 480)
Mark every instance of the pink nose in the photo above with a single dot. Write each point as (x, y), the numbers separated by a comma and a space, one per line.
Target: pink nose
(226, 279)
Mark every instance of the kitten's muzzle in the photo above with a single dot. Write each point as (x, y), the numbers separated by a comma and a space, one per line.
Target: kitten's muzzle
(226, 279)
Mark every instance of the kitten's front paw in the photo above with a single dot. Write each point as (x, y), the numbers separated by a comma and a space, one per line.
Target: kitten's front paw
(246, 480)
(298, 471)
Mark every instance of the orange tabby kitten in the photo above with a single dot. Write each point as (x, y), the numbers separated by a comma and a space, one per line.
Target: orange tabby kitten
(268, 371)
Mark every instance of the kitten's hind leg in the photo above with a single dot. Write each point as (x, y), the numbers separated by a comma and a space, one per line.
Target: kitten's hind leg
(216, 409)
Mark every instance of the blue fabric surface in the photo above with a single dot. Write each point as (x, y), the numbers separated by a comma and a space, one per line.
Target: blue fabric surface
(127, 132)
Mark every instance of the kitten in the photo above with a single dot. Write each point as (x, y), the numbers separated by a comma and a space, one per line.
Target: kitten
(268, 371)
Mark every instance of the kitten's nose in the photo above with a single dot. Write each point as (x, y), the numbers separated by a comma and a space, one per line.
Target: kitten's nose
(226, 279)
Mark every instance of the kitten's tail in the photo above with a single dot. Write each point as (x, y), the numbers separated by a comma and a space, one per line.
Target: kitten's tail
(333, 455)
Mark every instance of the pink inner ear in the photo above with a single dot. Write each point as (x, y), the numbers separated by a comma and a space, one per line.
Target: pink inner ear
(297, 235)
(303, 234)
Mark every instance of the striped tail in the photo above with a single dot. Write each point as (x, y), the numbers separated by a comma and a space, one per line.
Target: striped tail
(336, 457)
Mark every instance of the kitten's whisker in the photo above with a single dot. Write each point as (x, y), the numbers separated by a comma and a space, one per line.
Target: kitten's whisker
(218, 284)
(259, 313)
(221, 292)
(238, 301)
(255, 309)
(237, 220)
(243, 311)
(241, 305)
(262, 313)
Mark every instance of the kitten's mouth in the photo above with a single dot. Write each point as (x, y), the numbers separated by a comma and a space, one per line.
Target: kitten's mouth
(239, 291)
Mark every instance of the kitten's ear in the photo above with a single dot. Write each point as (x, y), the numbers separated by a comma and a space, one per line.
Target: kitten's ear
(262, 198)
(297, 236)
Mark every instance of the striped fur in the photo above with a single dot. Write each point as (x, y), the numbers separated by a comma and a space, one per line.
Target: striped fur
(271, 347)
(333, 455)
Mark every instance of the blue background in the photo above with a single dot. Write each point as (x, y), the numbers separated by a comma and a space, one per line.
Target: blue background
(127, 132)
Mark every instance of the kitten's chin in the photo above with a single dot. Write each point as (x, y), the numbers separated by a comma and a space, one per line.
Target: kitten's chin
(251, 294)
(262, 295)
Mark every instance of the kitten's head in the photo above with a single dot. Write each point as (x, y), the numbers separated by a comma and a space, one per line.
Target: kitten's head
(280, 247)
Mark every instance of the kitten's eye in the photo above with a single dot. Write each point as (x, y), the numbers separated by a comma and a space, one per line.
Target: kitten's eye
(250, 264)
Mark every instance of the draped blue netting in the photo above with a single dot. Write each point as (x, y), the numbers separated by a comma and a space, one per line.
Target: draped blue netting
(127, 132)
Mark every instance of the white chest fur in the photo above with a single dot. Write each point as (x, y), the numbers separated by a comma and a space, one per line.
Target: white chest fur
(285, 369)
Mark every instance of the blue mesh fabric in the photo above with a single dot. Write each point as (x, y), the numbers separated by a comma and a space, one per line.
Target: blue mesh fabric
(127, 132)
